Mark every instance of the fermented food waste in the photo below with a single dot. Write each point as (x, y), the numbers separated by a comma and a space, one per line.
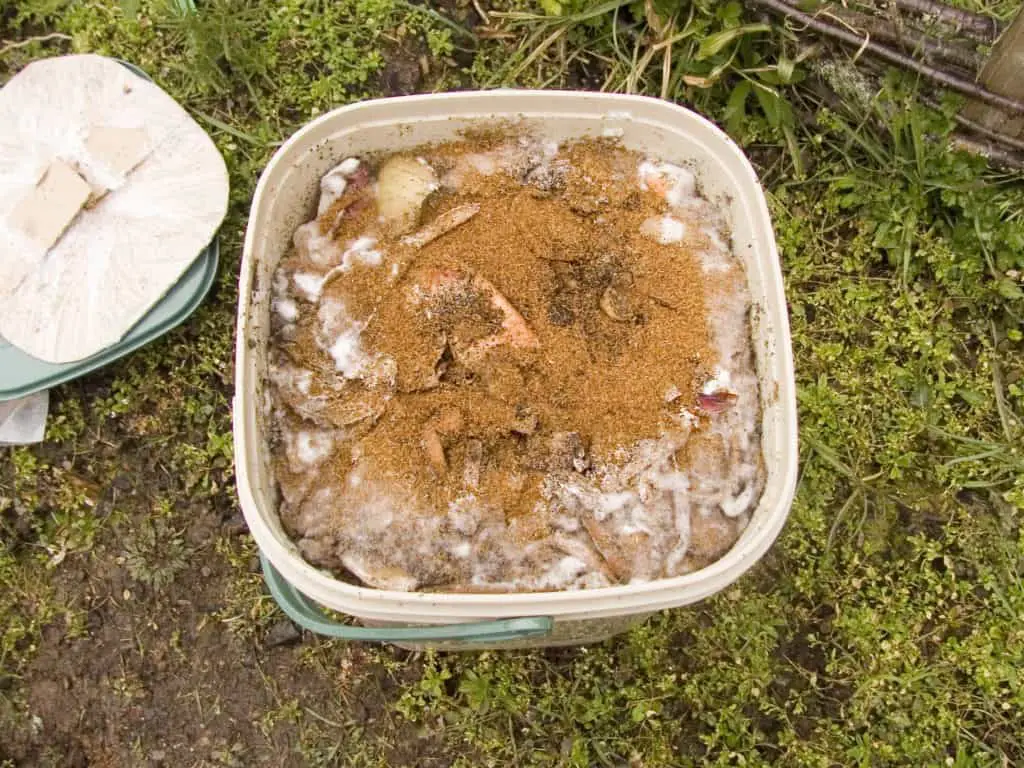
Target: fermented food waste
(505, 364)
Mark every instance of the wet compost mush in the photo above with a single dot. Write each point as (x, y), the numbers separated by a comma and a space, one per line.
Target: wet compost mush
(508, 364)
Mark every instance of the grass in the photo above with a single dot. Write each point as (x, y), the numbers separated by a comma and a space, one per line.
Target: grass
(883, 628)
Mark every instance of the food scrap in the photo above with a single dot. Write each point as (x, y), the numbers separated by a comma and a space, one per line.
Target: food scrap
(509, 364)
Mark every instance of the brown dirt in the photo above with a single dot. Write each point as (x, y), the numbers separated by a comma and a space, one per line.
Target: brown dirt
(158, 677)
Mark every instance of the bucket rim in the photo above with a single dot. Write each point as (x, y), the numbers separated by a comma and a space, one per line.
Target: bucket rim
(621, 599)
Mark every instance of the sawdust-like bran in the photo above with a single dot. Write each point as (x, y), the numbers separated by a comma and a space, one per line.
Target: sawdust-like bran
(620, 321)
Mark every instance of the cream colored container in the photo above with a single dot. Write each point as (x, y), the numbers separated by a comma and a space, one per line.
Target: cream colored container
(286, 197)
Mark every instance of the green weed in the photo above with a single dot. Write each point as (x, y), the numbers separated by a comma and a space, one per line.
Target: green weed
(156, 553)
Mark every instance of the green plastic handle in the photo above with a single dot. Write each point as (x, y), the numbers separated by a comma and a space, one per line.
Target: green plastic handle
(308, 615)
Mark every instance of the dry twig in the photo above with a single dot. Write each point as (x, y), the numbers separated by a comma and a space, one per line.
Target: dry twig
(911, 40)
(13, 44)
(978, 128)
(865, 44)
(481, 13)
(1000, 156)
(973, 23)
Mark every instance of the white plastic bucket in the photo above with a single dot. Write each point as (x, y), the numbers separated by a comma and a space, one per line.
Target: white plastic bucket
(286, 197)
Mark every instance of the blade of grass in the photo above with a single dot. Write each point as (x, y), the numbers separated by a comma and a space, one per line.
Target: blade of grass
(595, 11)
(538, 52)
(997, 384)
(236, 132)
(440, 18)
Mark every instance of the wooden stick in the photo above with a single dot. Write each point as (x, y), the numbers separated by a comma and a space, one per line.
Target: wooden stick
(1000, 156)
(11, 45)
(982, 130)
(912, 40)
(1006, 156)
(866, 45)
(987, 28)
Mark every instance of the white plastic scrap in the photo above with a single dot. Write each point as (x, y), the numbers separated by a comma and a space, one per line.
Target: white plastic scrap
(23, 421)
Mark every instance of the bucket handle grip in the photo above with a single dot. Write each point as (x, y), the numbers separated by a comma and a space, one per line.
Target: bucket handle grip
(308, 615)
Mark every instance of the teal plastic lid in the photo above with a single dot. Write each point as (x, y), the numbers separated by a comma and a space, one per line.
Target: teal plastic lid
(21, 374)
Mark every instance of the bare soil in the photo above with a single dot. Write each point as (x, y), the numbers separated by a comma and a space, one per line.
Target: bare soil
(166, 677)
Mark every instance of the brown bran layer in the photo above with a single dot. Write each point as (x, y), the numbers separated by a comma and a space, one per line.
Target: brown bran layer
(620, 322)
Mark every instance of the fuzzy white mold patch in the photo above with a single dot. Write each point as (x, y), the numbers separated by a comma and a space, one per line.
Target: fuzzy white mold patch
(675, 184)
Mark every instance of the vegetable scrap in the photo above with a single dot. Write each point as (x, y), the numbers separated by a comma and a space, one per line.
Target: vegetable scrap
(510, 364)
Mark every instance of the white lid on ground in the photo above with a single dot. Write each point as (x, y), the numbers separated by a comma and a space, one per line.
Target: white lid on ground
(78, 271)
